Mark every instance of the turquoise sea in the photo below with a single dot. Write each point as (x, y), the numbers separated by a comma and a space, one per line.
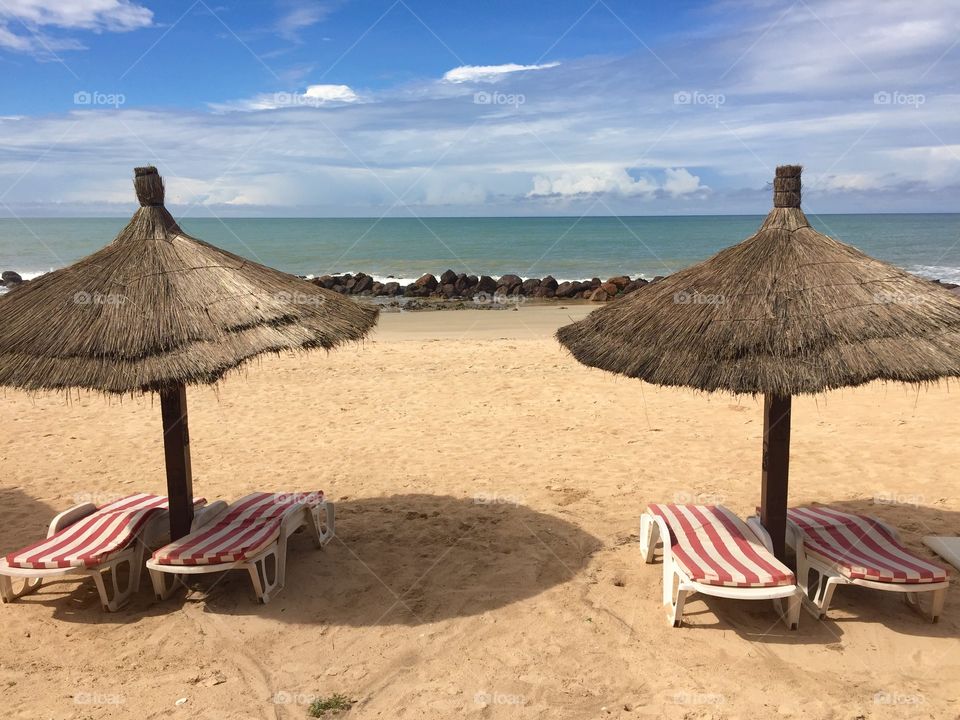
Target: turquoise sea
(565, 247)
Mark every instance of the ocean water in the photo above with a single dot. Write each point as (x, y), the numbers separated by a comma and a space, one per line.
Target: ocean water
(565, 247)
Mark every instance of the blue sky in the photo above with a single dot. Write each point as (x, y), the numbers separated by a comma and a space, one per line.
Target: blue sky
(399, 107)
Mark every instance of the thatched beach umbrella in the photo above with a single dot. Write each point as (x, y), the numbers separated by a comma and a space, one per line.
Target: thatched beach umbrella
(157, 310)
(786, 312)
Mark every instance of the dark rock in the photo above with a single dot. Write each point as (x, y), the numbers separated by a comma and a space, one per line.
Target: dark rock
(427, 281)
(595, 283)
(549, 283)
(392, 288)
(448, 290)
(621, 281)
(339, 288)
(634, 285)
(599, 295)
(543, 291)
(565, 290)
(362, 283)
(610, 288)
(448, 278)
(486, 284)
(326, 281)
(510, 282)
(528, 286)
(657, 278)
(350, 283)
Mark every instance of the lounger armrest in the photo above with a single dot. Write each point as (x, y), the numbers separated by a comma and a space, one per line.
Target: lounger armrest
(69, 517)
(889, 528)
(761, 532)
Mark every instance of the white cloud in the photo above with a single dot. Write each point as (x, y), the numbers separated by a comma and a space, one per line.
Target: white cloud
(591, 181)
(299, 16)
(96, 15)
(313, 96)
(489, 73)
(679, 181)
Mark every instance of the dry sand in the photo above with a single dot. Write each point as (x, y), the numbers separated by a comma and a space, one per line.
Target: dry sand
(535, 604)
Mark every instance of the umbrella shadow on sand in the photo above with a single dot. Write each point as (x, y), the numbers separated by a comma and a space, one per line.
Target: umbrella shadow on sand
(402, 559)
(417, 558)
(851, 604)
(25, 519)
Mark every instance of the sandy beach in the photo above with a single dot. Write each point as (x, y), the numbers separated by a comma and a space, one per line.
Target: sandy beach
(486, 564)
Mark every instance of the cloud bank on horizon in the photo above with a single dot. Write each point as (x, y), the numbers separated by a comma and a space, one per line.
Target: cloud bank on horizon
(320, 108)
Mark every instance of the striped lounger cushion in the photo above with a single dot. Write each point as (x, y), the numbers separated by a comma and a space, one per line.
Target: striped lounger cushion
(861, 548)
(715, 547)
(90, 540)
(248, 526)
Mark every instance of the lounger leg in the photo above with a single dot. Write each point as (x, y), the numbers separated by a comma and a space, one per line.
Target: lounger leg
(323, 532)
(937, 598)
(120, 595)
(676, 607)
(649, 536)
(936, 604)
(27, 585)
(790, 615)
(263, 586)
(164, 584)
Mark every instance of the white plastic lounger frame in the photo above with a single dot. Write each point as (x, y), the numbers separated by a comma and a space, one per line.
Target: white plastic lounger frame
(678, 586)
(166, 578)
(819, 594)
(31, 579)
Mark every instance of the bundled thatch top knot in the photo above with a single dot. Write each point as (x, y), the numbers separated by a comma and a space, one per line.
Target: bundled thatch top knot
(786, 186)
(149, 186)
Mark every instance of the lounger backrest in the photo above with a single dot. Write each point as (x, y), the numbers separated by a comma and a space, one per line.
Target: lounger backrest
(861, 547)
(87, 542)
(245, 528)
(714, 546)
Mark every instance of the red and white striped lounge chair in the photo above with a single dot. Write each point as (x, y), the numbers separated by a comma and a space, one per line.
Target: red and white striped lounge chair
(87, 540)
(709, 550)
(246, 535)
(847, 549)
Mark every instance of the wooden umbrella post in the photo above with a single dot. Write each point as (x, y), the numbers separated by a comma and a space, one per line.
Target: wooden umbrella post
(176, 449)
(776, 469)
